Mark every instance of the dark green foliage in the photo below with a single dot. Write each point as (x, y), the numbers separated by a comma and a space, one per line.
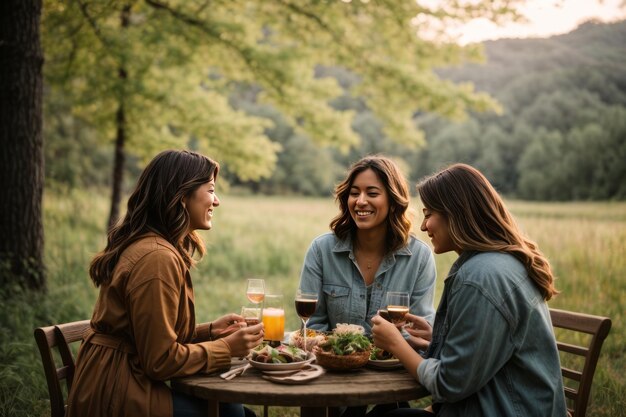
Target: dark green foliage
(563, 132)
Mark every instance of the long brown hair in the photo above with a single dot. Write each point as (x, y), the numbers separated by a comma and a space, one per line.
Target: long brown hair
(478, 220)
(398, 221)
(156, 206)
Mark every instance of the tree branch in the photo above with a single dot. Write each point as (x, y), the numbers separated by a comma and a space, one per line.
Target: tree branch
(93, 24)
(202, 25)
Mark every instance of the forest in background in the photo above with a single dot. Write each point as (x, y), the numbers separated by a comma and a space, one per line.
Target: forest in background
(561, 134)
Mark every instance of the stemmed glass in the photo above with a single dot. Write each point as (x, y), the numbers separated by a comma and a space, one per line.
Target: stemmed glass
(306, 303)
(255, 290)
(252, 315)
(397, 306)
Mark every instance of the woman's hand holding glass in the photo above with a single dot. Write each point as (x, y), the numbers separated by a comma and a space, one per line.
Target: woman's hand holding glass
(419, 330)
(244, 339)
(226, 325)
(385, 334)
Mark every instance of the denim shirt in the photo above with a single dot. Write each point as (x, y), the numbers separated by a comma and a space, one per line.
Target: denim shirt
(493, 351)
(330, 269)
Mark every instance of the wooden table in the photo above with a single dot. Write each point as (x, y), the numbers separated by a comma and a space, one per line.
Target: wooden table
(333, 389)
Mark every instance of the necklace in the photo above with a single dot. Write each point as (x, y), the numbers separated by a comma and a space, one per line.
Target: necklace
(370, 261)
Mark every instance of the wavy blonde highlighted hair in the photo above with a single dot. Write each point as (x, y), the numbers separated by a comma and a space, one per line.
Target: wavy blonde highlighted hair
(398, 221)
(478, 220)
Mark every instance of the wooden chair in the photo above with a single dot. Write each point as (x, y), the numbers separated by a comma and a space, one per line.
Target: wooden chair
(60, 337)
(578, 381)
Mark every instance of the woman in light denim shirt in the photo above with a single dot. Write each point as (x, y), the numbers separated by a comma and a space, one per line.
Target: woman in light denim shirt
(492, 350)
(370, 252)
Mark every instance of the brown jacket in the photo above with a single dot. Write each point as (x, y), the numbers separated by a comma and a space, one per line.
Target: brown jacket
(141, 335)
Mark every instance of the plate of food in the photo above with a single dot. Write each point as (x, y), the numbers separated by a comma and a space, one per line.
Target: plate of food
(313, 338)
(381, 359)
(280, 358)
(384, 364)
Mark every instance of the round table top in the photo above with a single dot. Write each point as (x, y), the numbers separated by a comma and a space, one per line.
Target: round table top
(332, 389)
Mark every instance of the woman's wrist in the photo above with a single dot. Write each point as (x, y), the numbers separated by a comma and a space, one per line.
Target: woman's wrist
(211, 331)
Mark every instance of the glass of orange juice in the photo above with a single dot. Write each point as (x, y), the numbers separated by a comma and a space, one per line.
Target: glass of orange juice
(274, 317)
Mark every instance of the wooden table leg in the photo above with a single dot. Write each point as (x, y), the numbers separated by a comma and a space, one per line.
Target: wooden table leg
(312, 411)
(334, 411)
(214, 408)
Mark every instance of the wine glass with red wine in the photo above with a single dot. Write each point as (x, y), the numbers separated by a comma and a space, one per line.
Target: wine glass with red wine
(397, 306)
(306, 303)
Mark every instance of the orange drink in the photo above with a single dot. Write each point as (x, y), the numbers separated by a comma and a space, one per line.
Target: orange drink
(274, 318)
(274, 323)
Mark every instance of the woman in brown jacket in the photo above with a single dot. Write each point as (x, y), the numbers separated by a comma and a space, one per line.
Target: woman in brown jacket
(143, 329)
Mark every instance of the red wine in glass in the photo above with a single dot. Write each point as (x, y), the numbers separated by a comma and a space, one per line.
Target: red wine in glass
(305, 307)
(306, 303)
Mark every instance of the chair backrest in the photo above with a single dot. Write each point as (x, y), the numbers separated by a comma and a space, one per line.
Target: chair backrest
(60, 337)
(578, 381)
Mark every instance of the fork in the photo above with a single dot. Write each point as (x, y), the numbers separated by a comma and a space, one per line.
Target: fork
(234, 372)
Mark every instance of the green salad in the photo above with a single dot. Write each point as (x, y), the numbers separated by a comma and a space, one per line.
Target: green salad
(280, 354)
(378, 354)
(346, 343)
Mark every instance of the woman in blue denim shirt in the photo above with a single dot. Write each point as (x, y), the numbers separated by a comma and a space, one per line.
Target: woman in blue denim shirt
(370, 252)
(492, 350)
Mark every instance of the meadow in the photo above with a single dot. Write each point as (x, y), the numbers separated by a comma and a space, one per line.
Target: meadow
(267, 237)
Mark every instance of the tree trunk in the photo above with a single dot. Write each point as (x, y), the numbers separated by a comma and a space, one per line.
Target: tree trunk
(21, 146)
(118, 165)
(120, 137)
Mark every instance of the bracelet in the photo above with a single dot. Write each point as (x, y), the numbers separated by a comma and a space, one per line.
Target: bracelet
(211, 331)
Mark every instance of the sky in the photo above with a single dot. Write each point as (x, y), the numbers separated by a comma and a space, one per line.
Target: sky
(545, 18)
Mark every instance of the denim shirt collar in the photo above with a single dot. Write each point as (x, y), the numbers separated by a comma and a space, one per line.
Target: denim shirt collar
(345, 245)
(463, 257)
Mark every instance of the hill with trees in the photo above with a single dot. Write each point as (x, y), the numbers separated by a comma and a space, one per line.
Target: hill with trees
(562, 133)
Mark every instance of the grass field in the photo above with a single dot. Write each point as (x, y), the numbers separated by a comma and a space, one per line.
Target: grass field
(267, 237)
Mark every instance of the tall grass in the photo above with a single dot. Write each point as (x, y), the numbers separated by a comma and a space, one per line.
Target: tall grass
(267, 237)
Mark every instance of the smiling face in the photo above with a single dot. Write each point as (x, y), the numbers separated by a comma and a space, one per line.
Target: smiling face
(200, 205)
(368, 201)
(436, 225)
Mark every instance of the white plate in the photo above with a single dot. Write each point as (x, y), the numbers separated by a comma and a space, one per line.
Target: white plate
(302, 376)
(384, 364)
(282, 366)
(283, 373)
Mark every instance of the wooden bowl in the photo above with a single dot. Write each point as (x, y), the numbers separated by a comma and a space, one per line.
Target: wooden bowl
(334, 362)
